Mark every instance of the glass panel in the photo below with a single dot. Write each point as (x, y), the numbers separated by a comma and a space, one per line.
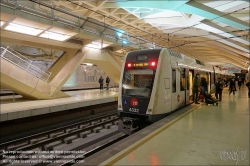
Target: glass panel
(182, 79)
(138, 82)
(173, 80)
(142, 57)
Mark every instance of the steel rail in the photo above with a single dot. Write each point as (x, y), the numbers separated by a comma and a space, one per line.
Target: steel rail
(28, 138)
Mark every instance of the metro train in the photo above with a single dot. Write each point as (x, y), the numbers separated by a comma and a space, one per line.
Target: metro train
(156, 82)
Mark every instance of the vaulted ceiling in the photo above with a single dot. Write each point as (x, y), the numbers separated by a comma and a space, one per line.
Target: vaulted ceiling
(215, 32)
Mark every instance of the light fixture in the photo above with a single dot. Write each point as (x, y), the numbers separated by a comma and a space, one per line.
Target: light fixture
(23, 29)
(93, 46)
(96, 45)
(124, 42)
(88, 64)
(54, 36)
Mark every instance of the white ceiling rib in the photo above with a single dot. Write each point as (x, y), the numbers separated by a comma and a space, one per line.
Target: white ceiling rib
(172, 28)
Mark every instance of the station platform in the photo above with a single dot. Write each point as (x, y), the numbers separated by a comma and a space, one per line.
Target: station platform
(202, 135)
(21, 108)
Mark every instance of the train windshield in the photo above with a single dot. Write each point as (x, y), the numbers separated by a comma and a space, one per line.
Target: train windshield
(138, 82)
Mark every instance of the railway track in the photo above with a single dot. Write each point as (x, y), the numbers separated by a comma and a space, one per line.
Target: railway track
(24, 149)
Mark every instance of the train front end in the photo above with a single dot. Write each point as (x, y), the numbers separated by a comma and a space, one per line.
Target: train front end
(136, 85)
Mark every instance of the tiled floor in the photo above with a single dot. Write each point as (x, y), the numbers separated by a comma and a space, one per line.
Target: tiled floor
(209, 135)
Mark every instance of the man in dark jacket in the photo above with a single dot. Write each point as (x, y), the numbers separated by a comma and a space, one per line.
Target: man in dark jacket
(219, 88)
(107, 82)
(232, 86)
(195, 88)
(101, 83)
(248, 86)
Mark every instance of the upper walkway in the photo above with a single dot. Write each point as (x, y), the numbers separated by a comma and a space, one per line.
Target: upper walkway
(204, 135)
(23, 108)
(20, 74)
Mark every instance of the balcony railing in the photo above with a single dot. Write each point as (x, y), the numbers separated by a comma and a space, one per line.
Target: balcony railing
(24, 63)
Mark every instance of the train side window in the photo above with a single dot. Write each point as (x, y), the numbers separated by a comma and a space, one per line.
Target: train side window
(182, 79)
(173, 80)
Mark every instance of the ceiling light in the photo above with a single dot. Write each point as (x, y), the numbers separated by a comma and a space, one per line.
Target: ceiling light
(54, 36)
(93, 46)
(96, 45)
(23, 29)
(88, 64)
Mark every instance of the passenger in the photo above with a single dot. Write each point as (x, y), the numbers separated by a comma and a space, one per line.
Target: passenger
(243, 80)
(107, 82)
(219, 88)
(204, 84)
(203, 87)
(195, 88)
(248, 86)
(101, 83)
(239, 83)
(232, 86)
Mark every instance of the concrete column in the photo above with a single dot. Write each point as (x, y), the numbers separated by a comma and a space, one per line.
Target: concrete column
(64, 67)
(61, 62)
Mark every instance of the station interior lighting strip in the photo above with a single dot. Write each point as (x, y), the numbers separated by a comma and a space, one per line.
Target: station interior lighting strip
(54, 36)
(23, 29)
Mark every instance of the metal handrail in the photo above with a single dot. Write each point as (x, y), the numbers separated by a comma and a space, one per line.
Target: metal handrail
(24, 63)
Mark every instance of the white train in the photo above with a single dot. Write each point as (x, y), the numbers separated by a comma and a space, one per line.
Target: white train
(155, 82)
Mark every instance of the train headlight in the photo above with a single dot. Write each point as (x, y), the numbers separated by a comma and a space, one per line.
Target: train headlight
(129, 65)
(153, 63)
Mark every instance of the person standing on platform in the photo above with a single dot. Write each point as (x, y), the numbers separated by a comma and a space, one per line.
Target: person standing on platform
(107, 82)
(239, 83)
(101, 83)
(195, 88)
(248, 86)
(203, 87)
(232, 86)
(219, 88)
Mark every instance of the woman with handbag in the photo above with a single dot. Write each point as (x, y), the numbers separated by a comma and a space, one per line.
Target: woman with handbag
(232, 86)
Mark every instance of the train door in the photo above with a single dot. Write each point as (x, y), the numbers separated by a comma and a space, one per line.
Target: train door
(187, 90)
(212, 79)
(190, 78)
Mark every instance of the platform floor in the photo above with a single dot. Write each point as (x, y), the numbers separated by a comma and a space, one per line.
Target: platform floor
(21, 108)
(207, 135)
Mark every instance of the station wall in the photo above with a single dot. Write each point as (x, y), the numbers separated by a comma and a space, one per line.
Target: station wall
(83, 78)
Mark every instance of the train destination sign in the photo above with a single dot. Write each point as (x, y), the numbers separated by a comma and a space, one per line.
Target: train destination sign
(140, 64)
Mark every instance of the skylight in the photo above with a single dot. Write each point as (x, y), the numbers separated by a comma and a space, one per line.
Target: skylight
(54, 36)
(22, 29)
